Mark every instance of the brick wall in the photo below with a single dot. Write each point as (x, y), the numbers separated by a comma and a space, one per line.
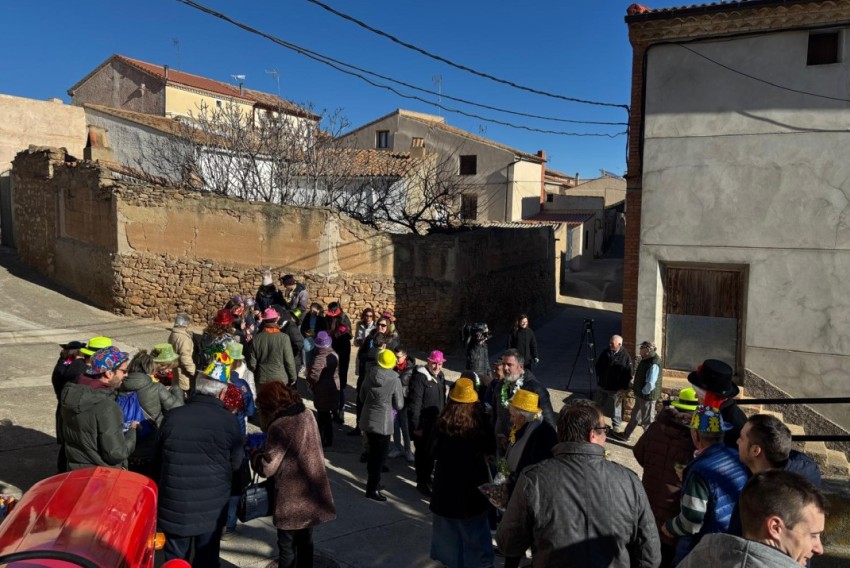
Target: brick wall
(168, 251)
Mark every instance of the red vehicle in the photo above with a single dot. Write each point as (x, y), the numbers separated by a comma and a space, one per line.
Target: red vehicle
(95, 518)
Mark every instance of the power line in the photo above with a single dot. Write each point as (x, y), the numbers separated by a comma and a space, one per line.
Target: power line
(460, 66)
(339, 66)
(760, 80)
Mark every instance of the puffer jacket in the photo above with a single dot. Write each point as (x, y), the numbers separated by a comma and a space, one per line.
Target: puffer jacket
(271, 358)
(426, 399)
(91, 426)
(293, 458)
(666, 443)
(323, 379)
(154, 398)
(579, 509)
(728, 551)
(201, 446)
(380, 394)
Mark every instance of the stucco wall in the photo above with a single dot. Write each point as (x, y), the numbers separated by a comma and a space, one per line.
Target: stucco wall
(40, 123)
(739, 172)
(525, 187)
(155, 251)
(119, 85)
(187, 102)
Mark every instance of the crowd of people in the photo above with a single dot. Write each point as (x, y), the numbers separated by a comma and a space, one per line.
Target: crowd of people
(489, 452)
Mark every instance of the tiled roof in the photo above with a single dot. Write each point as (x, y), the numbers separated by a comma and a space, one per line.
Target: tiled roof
(440, 123)
(561, 217)
(638, 12)
(373, 163)
(179, 127)
(202, 83)
(523, 224)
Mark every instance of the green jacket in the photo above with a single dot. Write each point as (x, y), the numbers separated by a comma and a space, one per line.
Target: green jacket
(271, 359)
(154, 398)
(91, 426)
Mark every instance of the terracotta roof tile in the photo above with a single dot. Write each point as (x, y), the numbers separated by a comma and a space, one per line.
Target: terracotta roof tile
(561, 217)
(638, 12)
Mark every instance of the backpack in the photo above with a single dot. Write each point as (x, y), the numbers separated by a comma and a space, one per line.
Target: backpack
(133, 412)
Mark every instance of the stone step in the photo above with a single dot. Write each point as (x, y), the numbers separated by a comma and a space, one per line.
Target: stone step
(818, 452)
(836, 463)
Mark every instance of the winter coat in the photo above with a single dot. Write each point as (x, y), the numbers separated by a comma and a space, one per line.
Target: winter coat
(801, 464)
(271, 358)
(380, 394)
(523, 340)
(404, 374)
(66, 372)
(426, 400)
(200, 446)
(312, 330)
(614, 370)
(267, 297)
(363, 331)
(579, 509)
(531, 384)
(294, 459)
(478, 359)
(91, 426)
(728, 551)
(296, 339)
(154, 398)
(181, 339)
(665, 443)
(246, 375)
(732, 414)
(323, 379)
(535, 441)
(461, 469)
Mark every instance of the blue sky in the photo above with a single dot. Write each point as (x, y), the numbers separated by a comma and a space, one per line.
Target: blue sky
(576, 48)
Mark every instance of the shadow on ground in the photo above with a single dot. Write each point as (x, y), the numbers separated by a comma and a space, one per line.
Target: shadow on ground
(26, 457)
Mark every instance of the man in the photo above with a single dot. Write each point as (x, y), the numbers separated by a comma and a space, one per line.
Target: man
(517, 377)
(713, 383)
(647, 389)
(296, 295)
(92, 423)
(271, 357)
(711, 484)
(579, 509)
(765, 443)
(425, 403)
(613, 374)
(181, 339)
(783, 518)
(200, 446)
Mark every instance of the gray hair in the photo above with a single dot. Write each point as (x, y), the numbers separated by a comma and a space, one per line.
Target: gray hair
(182, 320)
(529, 416)
(516, 355)
(209, 387)
(141, 363)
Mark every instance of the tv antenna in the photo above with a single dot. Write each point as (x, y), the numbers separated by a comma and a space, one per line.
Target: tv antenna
(482, 129)
(238, 78)
(276, 74)
(438, 83)
(175, 41)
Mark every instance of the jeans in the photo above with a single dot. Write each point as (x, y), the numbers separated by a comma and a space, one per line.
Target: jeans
(611, 404)
(207, 548)
(232, 505)
(643, 414)
(401, 431)
(376, 456)
(295, 548)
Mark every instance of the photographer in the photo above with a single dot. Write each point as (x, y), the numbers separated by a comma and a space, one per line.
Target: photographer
(477, 355)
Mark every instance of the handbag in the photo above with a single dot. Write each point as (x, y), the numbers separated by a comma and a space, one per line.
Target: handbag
(256, 501)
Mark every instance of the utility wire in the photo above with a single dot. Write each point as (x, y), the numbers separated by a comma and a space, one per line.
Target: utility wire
(765, 81)
(340, 66)
(458, 65)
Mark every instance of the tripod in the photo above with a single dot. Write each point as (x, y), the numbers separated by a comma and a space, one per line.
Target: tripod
(588, 339)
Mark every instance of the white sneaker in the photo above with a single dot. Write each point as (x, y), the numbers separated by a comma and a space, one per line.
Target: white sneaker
(394, 453)
(410, 457)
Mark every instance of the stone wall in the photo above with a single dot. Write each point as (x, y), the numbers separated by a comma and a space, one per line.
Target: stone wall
(156, 251)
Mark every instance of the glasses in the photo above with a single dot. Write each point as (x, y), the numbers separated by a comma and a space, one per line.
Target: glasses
(382, 325)
(604, 429)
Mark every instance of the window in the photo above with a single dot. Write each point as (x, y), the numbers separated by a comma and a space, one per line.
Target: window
(468, 165)
(469, 207)
(823, 48)
(382, 139)
(218, 104)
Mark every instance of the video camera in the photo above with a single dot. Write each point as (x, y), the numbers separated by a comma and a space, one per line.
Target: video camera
(479, 332)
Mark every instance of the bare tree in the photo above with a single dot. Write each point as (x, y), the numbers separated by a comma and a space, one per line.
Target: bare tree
(300, 160)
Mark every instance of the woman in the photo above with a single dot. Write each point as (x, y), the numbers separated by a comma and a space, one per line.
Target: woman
(216, 335)
(339, 328)
(381, 396)
(531, 437)
(292, 457)
(401, 426)
(166, 361)
(522, 339)
(71, 364)
(155, 400)
(364, 326)
(314, 321)
(323, 380)
(461, 531)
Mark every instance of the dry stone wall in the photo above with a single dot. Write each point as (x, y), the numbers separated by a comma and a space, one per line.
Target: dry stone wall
(158, 251)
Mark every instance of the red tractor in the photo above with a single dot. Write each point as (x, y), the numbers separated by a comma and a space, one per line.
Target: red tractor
(92, 518)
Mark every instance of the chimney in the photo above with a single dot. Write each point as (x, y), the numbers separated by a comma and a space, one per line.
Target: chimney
(417, 148)
(165, 70)
(542, 155)
(97, 146)
(577, 178)
(241, 89)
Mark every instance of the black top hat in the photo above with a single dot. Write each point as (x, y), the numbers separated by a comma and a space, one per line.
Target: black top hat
(73, 345)
(715, 377)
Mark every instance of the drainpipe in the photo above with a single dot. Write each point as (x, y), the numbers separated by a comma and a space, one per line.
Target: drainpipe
(542, 155)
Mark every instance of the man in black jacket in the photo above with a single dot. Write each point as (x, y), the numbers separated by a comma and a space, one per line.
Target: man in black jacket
(200, 446)
(613, 375)
(424, 404)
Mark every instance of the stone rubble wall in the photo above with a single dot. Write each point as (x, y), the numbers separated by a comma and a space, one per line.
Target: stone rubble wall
(155, 251)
